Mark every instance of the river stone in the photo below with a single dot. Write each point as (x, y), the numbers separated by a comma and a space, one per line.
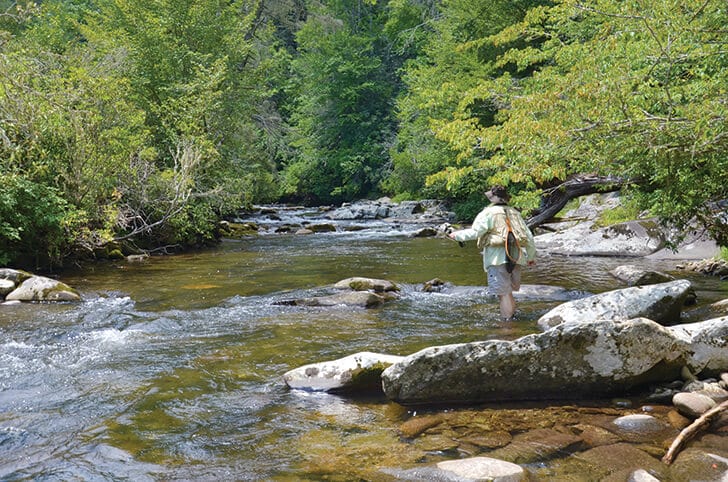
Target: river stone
(572, 360)
(358, 372)
(527, 292)
(536, 445)
(709, 345)
(699, 464)
(639, 422)
(483, 469)
(416, 425)
(661, 303)
(363, 299)
(595, 436)
(714, 391)
(632, 275)
(639, 427)
(15, 275)
(366, 284)
(6, 286)
(621, 459)
(642, 475)
(632, 238)
(40, 288)
(692, 404)
(322, 228)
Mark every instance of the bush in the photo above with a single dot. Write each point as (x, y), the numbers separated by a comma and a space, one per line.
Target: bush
(33, 221)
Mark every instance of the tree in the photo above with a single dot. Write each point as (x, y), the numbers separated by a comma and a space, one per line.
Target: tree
(630, 89)
(455, 59)
(345, 78)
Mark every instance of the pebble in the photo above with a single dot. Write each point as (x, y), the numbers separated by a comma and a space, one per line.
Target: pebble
(692, 404)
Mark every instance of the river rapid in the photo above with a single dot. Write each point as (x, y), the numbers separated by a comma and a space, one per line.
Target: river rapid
(170, 369)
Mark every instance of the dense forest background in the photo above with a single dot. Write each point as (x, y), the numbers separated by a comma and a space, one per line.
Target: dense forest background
(141, 123)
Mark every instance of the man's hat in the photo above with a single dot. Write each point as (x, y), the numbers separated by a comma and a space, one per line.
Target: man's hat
(498, 195)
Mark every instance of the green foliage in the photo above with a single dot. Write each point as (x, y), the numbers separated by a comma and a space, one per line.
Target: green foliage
(341, 122)
(434, 146)
(129, 120)
(626, 211)
(631, 90)
(34, 222)
(467, 210)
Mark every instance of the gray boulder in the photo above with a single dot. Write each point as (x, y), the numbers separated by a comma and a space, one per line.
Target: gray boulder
(40, 288)
(632, 238)
(632, 275)
(661, 302)
(6, 286)
(357, 372)
(572, 360)
(708, 342)
(15, 275)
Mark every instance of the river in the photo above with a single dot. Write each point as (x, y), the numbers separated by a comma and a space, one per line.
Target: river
(170, 369)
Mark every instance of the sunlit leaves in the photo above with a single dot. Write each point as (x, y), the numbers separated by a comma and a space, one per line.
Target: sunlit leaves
(634, 89)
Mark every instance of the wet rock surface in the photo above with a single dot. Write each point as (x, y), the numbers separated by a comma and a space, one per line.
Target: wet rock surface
(19, 286)
(662, 303)
(558, 443)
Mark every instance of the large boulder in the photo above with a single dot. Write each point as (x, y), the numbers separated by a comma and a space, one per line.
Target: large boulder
(572, 360)
(358, 372)
(632, 238)
(17, 276)
(708, 342)
(662, 302)
(40, 288)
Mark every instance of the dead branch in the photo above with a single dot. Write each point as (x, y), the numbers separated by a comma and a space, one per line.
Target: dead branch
(692, 430)
(554, 199)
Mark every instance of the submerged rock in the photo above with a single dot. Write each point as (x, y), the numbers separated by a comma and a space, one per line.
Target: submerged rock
(537, 445)
(358, 372)
(483, 468)
(527, 292)
(662, 303)
(619, 461)
(362, 299)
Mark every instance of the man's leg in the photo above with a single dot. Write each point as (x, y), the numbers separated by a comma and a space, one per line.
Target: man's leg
(507, 306)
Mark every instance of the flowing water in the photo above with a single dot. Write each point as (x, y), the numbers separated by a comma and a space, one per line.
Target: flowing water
(170, 369)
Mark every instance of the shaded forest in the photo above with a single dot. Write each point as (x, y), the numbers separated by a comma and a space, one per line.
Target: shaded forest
(139, 124)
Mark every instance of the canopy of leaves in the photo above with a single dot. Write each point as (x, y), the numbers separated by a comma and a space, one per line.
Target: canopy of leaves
(629, 89)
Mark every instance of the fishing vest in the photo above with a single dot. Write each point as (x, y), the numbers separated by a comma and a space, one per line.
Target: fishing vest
(496, 237)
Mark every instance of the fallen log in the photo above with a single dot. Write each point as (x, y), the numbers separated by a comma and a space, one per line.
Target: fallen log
(554, 199)
(692, 430)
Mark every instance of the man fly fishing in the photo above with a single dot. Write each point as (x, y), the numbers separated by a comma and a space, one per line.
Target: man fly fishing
(507, 244)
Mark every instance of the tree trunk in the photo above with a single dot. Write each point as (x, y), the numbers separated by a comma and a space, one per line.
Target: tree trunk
(555, 198)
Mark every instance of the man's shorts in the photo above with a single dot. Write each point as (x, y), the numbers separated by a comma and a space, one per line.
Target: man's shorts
(501, 282)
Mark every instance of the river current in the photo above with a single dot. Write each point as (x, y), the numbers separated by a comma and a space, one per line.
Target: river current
(170, 369)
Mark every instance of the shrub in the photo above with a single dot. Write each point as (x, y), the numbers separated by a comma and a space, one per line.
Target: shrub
(33, 218)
